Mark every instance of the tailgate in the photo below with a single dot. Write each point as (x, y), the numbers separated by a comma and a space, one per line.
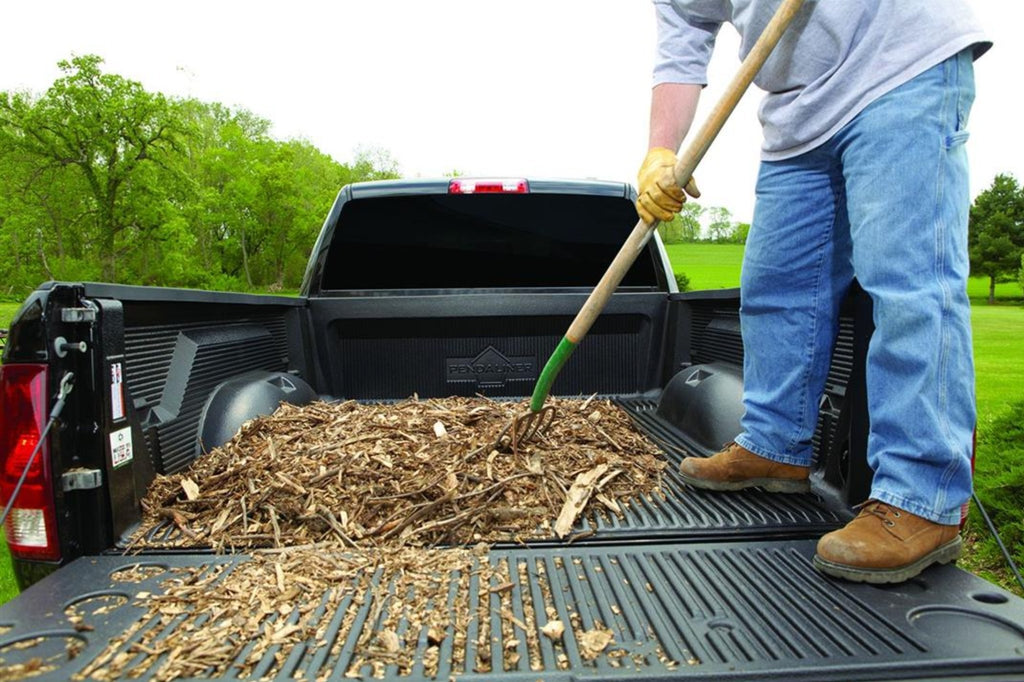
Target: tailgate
(698, 611)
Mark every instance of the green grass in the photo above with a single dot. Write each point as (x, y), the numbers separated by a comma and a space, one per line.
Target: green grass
(709, 266)
(1006, 292)
(999, 460)
(998, 358)
(7, 311)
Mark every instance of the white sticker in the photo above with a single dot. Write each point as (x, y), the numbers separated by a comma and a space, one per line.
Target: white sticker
(121, 446)
(116, 392)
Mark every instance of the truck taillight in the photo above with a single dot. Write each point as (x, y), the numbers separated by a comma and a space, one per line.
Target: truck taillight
(488, 186)
(31, 526)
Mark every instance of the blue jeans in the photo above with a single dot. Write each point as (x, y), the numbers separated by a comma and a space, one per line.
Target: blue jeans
(886, 200)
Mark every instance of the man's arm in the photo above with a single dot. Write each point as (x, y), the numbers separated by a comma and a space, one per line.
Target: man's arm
(673, 106)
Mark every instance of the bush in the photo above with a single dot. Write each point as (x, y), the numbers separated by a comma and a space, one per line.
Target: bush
(682, 281)
(1001, 490)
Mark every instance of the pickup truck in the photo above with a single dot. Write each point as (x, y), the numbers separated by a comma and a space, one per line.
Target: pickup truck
(456, 288)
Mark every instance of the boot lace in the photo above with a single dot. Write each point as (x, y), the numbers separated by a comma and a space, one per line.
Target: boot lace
(881, 510)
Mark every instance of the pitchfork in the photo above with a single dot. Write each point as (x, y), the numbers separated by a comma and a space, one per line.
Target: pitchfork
(535, 421)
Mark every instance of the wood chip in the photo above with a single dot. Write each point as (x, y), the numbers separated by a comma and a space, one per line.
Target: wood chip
(389, 640)
(577, 497)
(349, 501)
(397, 481)
(553, 630)
(593, 642)
(190, 488)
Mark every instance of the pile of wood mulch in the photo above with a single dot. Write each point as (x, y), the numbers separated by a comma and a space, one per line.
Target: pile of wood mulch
(388, 507)
(415, 473)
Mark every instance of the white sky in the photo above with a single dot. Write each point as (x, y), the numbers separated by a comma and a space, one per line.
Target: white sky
(541, 88)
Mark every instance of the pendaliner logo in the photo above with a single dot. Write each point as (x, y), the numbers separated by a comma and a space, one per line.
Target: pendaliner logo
(492, 369)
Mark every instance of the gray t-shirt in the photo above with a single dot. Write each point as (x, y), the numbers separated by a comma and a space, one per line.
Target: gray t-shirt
(836, 57)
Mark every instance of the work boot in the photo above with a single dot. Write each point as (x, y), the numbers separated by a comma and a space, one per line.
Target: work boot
(735, 468)
(886, 545)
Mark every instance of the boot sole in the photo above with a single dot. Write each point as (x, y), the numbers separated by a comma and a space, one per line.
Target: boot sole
(772, 485)
(942, 555)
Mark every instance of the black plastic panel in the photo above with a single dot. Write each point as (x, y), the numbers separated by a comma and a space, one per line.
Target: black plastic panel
(490, 356)
(707, 612)
(170, 370)
(390, 347)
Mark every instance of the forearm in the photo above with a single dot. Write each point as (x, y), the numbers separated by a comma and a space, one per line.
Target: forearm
(673, 106)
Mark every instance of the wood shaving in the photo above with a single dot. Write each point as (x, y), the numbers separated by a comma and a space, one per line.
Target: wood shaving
(351, 474)
(383, 515)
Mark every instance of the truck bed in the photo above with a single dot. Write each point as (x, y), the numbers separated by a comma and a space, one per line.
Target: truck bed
(696, 586)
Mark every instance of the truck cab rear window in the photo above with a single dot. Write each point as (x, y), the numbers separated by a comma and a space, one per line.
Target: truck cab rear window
(481, 241)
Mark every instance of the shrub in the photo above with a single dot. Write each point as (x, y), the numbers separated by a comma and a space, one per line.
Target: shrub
(682, 281)
(1001, 444)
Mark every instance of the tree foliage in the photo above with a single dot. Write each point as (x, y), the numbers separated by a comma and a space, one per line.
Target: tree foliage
(689, 226)
(996, 232)
(102, 179)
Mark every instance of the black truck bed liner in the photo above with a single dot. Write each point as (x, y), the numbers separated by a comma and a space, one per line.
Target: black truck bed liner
(696, 586)
(681, 611)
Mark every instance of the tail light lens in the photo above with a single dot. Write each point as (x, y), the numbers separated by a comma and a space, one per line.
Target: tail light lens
(488, 186)
(31, 526)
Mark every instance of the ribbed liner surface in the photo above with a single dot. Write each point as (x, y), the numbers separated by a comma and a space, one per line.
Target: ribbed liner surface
(201, 356)
(755, 610)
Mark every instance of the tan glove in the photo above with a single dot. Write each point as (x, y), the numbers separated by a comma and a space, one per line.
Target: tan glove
(660, 197)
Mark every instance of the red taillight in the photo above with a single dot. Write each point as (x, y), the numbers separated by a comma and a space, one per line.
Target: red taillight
(31, 526)
(488, 186)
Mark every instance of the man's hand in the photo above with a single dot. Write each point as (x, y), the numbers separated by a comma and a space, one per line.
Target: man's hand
(660, 197)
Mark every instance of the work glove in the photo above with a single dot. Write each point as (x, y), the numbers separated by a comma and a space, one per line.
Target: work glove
(660, 197)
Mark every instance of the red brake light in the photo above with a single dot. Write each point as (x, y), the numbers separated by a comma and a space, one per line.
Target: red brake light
(488, 186)
(31, 526)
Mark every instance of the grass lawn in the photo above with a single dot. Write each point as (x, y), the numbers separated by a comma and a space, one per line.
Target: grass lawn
(7, 310)
(709, 266)
(998, 358)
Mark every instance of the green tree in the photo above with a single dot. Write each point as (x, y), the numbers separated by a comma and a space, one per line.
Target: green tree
(684, 226)
(1020, 273)
(112, 132)
(739, 233)
(996, 232)
(720, 225)
(100, 179)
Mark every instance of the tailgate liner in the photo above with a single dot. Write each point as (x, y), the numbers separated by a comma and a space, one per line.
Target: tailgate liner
(696, 611)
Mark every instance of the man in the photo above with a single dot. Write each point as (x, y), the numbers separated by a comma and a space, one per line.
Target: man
(863, 174)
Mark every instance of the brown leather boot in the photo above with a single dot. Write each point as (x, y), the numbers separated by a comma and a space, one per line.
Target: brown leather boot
(886, 545)
(735, 468)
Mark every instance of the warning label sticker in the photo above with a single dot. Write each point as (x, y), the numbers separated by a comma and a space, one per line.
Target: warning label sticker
(121, 446)
(116, 392)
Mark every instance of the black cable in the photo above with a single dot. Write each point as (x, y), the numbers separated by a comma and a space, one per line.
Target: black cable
(66, 384)
(999, 540)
